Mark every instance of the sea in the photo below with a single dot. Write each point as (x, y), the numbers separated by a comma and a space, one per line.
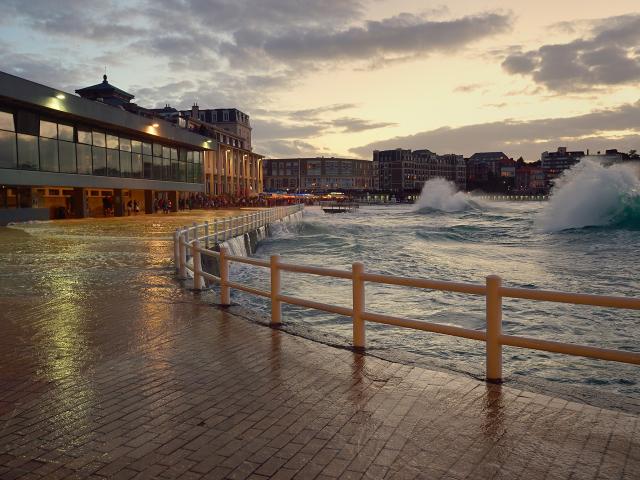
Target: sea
(585, 238)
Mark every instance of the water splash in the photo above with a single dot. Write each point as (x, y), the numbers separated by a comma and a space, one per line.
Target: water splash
(440, 194)
(590, 194)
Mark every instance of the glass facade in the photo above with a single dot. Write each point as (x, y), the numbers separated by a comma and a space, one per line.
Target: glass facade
(77, 150)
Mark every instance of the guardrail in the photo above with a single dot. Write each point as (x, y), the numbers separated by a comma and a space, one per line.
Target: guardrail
(187, 239)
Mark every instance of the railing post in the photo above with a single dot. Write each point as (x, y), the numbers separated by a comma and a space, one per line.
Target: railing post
(494, 329)
(185, 231)
(197, 266)
(176, 249)
(357, 269)
(225, 291)
(215, 231)
(206, 234)
(276, 304)
(183, 254)
(195, 230)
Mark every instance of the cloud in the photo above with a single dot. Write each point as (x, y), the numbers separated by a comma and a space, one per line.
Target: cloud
(469, 87)
(351, 125)
(402, 35)
(607, 57)
(288, 148)
(611, 128)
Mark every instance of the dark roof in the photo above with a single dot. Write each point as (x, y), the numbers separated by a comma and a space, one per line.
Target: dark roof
(104, 89)
(484, 155)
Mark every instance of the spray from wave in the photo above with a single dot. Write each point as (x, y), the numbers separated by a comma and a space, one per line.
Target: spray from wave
(440, 194)
(590, 194)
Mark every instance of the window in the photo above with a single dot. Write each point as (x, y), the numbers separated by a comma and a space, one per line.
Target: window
(166, 169)
(48, 129)
(136, 165)
(190, 156)
(84, 137)
(84, 159)
(48, 154)
(125, 164)
(146, 149)
(99, 161)
(225, 115)
(112, 142)
(113, 163)
(125, 144)
(157, 168)
(147, 161)
(6, 122)
(27, 152)
(67, 157)
(136, 146)
(157, 150)
(8, 152)
(65, 132)
(99, 139)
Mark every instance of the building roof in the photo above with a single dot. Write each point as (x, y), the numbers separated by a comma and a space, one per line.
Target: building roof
(104, 90)
(487, 155)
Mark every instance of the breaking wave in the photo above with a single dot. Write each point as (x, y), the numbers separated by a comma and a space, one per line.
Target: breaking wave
(442, 195)
(592, 195)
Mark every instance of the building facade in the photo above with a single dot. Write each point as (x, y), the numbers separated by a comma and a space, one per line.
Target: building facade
(317, 175)
(232, 168)
(64, 155)
(554, 163)
(405, 171)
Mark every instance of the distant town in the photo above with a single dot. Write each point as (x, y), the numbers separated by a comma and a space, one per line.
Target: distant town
(402, 173)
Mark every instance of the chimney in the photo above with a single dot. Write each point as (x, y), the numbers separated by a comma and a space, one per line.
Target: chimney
(195, 111)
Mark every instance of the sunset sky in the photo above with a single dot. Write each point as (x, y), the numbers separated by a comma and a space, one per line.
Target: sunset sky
(333, 77)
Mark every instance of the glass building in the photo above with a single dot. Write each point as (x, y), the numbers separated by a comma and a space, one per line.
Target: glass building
(66, 156)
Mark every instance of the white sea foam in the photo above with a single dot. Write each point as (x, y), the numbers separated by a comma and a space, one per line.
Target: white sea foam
(590, 194)
(441, 194)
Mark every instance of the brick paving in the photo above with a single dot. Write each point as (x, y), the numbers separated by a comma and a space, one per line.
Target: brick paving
(96, 383)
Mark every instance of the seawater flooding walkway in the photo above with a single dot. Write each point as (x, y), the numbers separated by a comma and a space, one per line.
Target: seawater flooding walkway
(109, 369)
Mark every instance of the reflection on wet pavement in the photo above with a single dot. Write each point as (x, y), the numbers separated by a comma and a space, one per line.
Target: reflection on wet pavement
(110, 370)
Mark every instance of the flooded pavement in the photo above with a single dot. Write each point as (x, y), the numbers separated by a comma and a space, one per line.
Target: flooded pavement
(109, 369)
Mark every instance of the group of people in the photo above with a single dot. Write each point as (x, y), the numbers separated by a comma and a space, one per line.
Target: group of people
(162, 204)
(133, 207)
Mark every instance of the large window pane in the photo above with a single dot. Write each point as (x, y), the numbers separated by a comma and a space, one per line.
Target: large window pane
(174, 154)
(8, 153)
(48, 129)
(175, 171)
(136, 165)
(48, 154)
(136, 146)
(113, 163)
(99, 139)
(183, 171)
(166, 152)
(190, 156)
(27, 152)
(6, 121)
(84, 159)
(67, 157)
(125, 144)
(84, 137)
(65, 132)
(148, 166)
(190, 172)
(125, 164)
(157, 150)
(146, 149)
(166, 169)
(183, 155)
(112, 142)
(99, 161)
(157, 168)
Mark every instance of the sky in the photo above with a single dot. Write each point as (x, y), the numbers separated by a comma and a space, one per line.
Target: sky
(342, 78)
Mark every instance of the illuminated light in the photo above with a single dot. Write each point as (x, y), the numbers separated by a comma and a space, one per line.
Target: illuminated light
(60, 96)
(208, 140)
(155, 125)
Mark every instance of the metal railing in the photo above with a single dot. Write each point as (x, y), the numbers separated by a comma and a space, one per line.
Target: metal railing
(187, 239)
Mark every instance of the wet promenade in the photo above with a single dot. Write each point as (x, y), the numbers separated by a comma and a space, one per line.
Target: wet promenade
(108, 369)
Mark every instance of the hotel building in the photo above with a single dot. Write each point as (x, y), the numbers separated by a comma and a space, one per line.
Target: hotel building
(317, 174)
(233, 168)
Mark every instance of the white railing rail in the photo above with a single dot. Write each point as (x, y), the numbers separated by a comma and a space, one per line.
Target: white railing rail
(187, 239)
